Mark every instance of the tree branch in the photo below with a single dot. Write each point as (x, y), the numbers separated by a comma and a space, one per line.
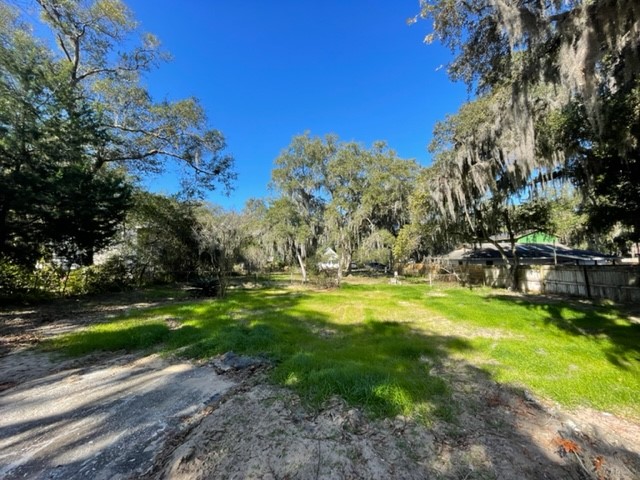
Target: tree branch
(136, 130)
(113, 70)
(76, 53)
(63, 47)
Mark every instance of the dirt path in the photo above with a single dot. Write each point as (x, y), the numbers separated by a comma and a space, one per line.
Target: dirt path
(264, 432)
(122, 416)
(105, 421)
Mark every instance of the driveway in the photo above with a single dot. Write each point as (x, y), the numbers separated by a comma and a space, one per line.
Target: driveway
(102, 421)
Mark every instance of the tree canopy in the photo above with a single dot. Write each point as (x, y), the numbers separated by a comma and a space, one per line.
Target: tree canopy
(79, 127)
(51, 198)
(557, 94)
(142, 134)
(339, 194)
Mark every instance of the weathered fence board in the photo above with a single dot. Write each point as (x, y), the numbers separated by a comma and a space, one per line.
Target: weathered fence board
(613, 282)
(620, 283)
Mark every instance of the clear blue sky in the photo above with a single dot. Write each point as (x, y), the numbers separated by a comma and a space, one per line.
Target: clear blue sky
(268, 70)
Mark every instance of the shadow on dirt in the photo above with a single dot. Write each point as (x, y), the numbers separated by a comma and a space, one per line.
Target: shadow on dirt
(103, 422)
(477, 428)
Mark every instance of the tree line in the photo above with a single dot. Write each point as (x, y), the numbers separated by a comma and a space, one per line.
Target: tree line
(78, 129)
(550, 141)
(557, 102)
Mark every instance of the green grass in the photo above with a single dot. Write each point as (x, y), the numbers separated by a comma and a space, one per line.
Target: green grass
(376, 345)
(575, 354)
(126, 335)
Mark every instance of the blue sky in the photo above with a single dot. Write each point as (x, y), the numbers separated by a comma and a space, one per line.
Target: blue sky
(268, 70)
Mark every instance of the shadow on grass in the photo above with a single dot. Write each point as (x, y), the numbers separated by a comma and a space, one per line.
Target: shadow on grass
(20, 324)
(382, 366)
(587, 320)
(385, 367)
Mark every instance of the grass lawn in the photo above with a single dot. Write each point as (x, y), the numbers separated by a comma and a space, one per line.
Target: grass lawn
(376, 345)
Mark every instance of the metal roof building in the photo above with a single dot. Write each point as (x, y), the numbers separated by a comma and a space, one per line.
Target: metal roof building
(528, 254)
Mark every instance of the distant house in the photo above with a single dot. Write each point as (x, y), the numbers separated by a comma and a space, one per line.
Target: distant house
(528, 254)
(329, 260)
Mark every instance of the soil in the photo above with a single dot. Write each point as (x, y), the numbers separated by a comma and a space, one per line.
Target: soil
(125, 416)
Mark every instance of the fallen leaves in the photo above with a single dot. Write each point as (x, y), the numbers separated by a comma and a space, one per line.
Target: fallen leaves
(598, 462)
(566, 446)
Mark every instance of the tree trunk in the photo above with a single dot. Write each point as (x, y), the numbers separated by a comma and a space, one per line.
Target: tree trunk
(513, 274)
(512, 265)
(348, 262)
(303, 269)
(222, 279)
(514, 269)
(344, 264)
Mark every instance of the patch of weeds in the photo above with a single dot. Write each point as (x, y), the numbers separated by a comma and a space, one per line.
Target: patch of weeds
(383, 347)
(499, 424)
(127, 335)
(446, 411)
(591, 352)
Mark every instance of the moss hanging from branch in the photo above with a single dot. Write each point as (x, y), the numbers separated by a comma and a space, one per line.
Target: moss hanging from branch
(580, 47)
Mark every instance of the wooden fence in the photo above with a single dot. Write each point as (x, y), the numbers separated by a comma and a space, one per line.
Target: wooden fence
(620, 283)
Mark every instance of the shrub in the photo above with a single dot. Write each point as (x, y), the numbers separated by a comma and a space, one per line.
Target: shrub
(115, 275)
(18, 282)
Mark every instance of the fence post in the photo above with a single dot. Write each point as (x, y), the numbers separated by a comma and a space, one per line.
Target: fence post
(586, 281)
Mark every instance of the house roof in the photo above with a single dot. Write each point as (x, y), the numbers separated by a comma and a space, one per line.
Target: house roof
(329, 254)
(530, 253)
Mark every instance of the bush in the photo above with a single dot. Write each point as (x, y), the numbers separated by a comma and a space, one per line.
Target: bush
(46, 280)
(112, 276)
(14, 280)
(325, 278)
(208, 287)
(17, 282)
